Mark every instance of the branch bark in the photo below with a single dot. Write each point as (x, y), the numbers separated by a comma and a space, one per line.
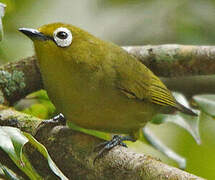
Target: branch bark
(17, 79)
(73, 153)
(176, 60)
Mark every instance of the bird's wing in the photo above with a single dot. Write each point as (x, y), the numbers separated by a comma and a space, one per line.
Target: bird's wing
(142, 84)
(159, 94)
(147, 87)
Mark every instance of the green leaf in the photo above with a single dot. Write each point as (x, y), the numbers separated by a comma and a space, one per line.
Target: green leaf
(44, 152)
(39, 110)
(158, 119)
(12, 142)
(206, 103)
(38, 104)
(157, 144)
(189, 123)
(7, 173)
(41, 94)
(2, 11)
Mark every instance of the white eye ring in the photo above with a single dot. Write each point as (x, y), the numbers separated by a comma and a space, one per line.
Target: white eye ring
(62, 37)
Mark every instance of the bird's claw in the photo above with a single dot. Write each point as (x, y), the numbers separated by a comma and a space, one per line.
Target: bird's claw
(57, 120)
(108, 145)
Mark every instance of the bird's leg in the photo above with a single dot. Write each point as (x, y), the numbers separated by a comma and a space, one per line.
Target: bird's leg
(108, 145)
(57, 120)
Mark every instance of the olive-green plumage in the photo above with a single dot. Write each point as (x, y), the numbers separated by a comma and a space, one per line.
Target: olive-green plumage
(98, 85)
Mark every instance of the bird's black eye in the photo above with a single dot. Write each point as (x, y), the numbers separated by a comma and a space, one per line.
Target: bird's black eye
(62, 35)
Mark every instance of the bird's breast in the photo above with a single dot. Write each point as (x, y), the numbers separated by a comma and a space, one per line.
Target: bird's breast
(90, 99)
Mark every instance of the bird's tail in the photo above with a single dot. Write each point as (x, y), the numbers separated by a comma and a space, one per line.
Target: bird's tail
(185, 110)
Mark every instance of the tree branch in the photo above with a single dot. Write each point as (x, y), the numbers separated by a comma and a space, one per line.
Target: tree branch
(73, 153)
(176, 60)
(17, 79)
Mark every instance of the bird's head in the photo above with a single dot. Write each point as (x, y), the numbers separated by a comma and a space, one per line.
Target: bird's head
(59, 39)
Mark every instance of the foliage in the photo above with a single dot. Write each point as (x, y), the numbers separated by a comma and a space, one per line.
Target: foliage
(2, 11)
(37, 104)
(12, 141)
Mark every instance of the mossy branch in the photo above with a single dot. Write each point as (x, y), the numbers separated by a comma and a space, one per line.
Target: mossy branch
(73, 153)
(17, 79)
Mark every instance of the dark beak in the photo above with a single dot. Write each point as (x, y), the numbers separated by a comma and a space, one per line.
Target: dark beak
(33, 34)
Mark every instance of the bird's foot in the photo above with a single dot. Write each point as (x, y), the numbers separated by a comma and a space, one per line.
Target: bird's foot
(50, 123)
(108, 145)
(57, 120)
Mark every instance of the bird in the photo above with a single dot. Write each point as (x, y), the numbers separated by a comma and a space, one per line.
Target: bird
(98, 85)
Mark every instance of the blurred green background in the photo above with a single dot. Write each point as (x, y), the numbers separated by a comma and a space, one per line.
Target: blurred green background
(125, 22)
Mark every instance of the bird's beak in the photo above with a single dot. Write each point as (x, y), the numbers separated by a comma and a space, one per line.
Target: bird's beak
(33, 34)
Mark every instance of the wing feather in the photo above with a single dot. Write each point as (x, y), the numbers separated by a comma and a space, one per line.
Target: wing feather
(160, 94)
(136, 81)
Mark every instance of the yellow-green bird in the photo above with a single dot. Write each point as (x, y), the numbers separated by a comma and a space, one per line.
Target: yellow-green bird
(96, 84)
